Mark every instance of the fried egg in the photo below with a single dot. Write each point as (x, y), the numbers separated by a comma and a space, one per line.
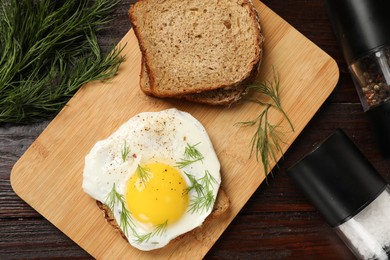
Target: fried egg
(159, 175)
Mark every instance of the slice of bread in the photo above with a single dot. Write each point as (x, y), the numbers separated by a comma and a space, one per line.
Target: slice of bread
(222, 96)
(191, 47)
(221, 206)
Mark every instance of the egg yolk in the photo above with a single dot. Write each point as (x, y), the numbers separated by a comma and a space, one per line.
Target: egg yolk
(156, 194)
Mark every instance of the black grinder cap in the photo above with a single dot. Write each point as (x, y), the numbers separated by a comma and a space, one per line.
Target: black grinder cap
(360, 25)
(363, 26)
(338, 179)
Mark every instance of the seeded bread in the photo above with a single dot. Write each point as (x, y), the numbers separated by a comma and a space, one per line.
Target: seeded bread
(221, 206)
(191, 47)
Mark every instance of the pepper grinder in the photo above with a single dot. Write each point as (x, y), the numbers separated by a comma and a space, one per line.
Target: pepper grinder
(363, 30)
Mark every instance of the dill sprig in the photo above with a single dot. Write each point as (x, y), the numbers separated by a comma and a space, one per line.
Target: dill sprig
(142, 238)
(125, 151)
(267, 139)
(125, 220)
(202, 202)
(270, 89)
(207, 180)
(191, 155)
(195, 185)
(204, 198)
(143, 174)
(48, 50)
(158, 231)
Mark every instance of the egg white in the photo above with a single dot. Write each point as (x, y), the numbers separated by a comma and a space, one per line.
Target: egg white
(152, 137)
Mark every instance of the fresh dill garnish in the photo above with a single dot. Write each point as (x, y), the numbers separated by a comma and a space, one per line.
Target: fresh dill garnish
(48, 50)
(142, 238)
(125, 220)
(125, 151)
(191, 152)
(191, 155)
(204, 198)
(195, 185)
(158, 231)
(202, 202)
(271, 89)
(266, 141)
(207, 180)
(143, 174)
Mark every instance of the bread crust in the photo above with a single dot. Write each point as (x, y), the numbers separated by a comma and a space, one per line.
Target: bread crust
(231, 96)
(226, 96)
(221, 207)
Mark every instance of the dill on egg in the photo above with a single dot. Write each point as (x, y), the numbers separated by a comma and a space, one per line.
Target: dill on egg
(143, 174)
(195, 185)
(125, 151)
(207, 180)
(160, 229)
(191, 155)
(125, 220)
(202, 202)
(203, 187)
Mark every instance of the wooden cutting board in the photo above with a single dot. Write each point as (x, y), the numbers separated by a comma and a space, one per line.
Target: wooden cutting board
(49, 175)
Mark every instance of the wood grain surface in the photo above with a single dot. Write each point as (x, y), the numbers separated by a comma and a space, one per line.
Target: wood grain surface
(276, 223)
(49, 175)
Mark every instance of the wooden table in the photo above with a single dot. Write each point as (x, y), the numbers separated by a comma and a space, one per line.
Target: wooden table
(278, 222)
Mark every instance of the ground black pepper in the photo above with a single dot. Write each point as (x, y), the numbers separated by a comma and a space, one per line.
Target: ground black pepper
(375, 89)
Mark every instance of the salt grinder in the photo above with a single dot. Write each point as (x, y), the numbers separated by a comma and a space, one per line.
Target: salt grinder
(363, 30)
(351, 195)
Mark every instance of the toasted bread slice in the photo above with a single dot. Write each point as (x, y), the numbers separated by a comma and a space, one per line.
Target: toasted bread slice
(193, 46)
(221, 206)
